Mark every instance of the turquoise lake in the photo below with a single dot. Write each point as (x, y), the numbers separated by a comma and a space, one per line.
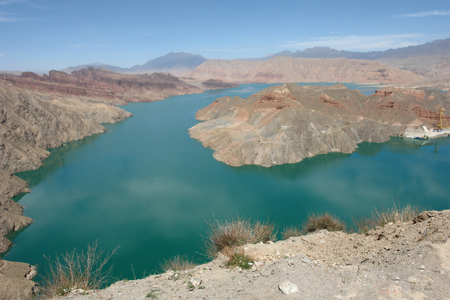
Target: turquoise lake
(149, 188)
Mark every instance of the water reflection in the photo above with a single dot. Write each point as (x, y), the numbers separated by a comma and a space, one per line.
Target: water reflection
(52, 163)
(148, 187)
(297, 170)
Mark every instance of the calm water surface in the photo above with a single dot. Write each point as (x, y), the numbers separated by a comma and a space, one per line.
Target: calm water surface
(149, 188)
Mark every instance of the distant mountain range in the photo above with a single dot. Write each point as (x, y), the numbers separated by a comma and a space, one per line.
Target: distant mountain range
(171, 62)
(437, 47)
(430, 60)
(174, 63)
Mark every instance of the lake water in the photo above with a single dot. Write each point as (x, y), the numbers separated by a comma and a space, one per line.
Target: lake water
(149, 188)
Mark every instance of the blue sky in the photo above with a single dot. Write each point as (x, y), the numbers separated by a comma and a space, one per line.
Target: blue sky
(55, 34)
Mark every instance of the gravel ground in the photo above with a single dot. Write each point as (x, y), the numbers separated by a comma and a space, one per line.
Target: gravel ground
(398, 261)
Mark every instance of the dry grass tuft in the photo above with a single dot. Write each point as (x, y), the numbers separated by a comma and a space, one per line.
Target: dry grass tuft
(236, 232)
(263, 232)
(178, 263)
(381, 218)
(323, 221)
(72, 270)
(291, 232)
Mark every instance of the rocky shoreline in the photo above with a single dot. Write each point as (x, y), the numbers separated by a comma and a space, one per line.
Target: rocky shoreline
(30, 123)
(398, 261)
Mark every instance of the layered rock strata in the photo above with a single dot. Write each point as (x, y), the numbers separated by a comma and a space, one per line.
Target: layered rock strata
(102, 85)
(288, 123)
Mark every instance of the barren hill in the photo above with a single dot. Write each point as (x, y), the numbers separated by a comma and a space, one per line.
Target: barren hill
(290, 69)
(104, 85)
(430, 59)
(174, 63)
(287, 123)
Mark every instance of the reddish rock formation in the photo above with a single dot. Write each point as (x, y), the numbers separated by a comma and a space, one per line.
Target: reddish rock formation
(104, 85)
(408, 105)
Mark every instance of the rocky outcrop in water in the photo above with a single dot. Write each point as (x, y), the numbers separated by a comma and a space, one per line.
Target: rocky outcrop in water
(288, 123)
(102, 85)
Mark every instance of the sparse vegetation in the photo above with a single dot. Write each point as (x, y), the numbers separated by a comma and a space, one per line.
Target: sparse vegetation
(381, 218)
(190, 286)
(73, 270)
(238, 258)
(237, 232)
(178, 263)
(323, 221)
(153, 294)
(290, 232)
(263, 232)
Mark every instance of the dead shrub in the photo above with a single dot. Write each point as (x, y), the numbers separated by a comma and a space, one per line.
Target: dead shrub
(72, 270)
(178, 263)
(263, 232)
(322, 221)
(236, 232)
(380, 218)
(291, 232)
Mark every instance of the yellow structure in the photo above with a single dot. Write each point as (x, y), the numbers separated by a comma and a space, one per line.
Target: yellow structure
(442, 117)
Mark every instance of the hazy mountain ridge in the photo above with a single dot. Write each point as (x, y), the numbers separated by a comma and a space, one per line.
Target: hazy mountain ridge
(437, 47)
(69, 70)
(174, 63)
(434, 55)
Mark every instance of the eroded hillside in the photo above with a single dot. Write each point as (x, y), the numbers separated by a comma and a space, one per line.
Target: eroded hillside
(287, 123)
(291, 69)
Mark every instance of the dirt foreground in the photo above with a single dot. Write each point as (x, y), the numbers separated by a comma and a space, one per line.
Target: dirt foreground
(398, 261)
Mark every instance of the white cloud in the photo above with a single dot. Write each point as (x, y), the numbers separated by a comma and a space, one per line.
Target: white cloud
(6, 2)
(430, 13)
(2, 54)
(358, 42)
(6, 17)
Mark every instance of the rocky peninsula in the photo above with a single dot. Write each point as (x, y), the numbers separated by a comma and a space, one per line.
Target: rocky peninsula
(288, 123)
